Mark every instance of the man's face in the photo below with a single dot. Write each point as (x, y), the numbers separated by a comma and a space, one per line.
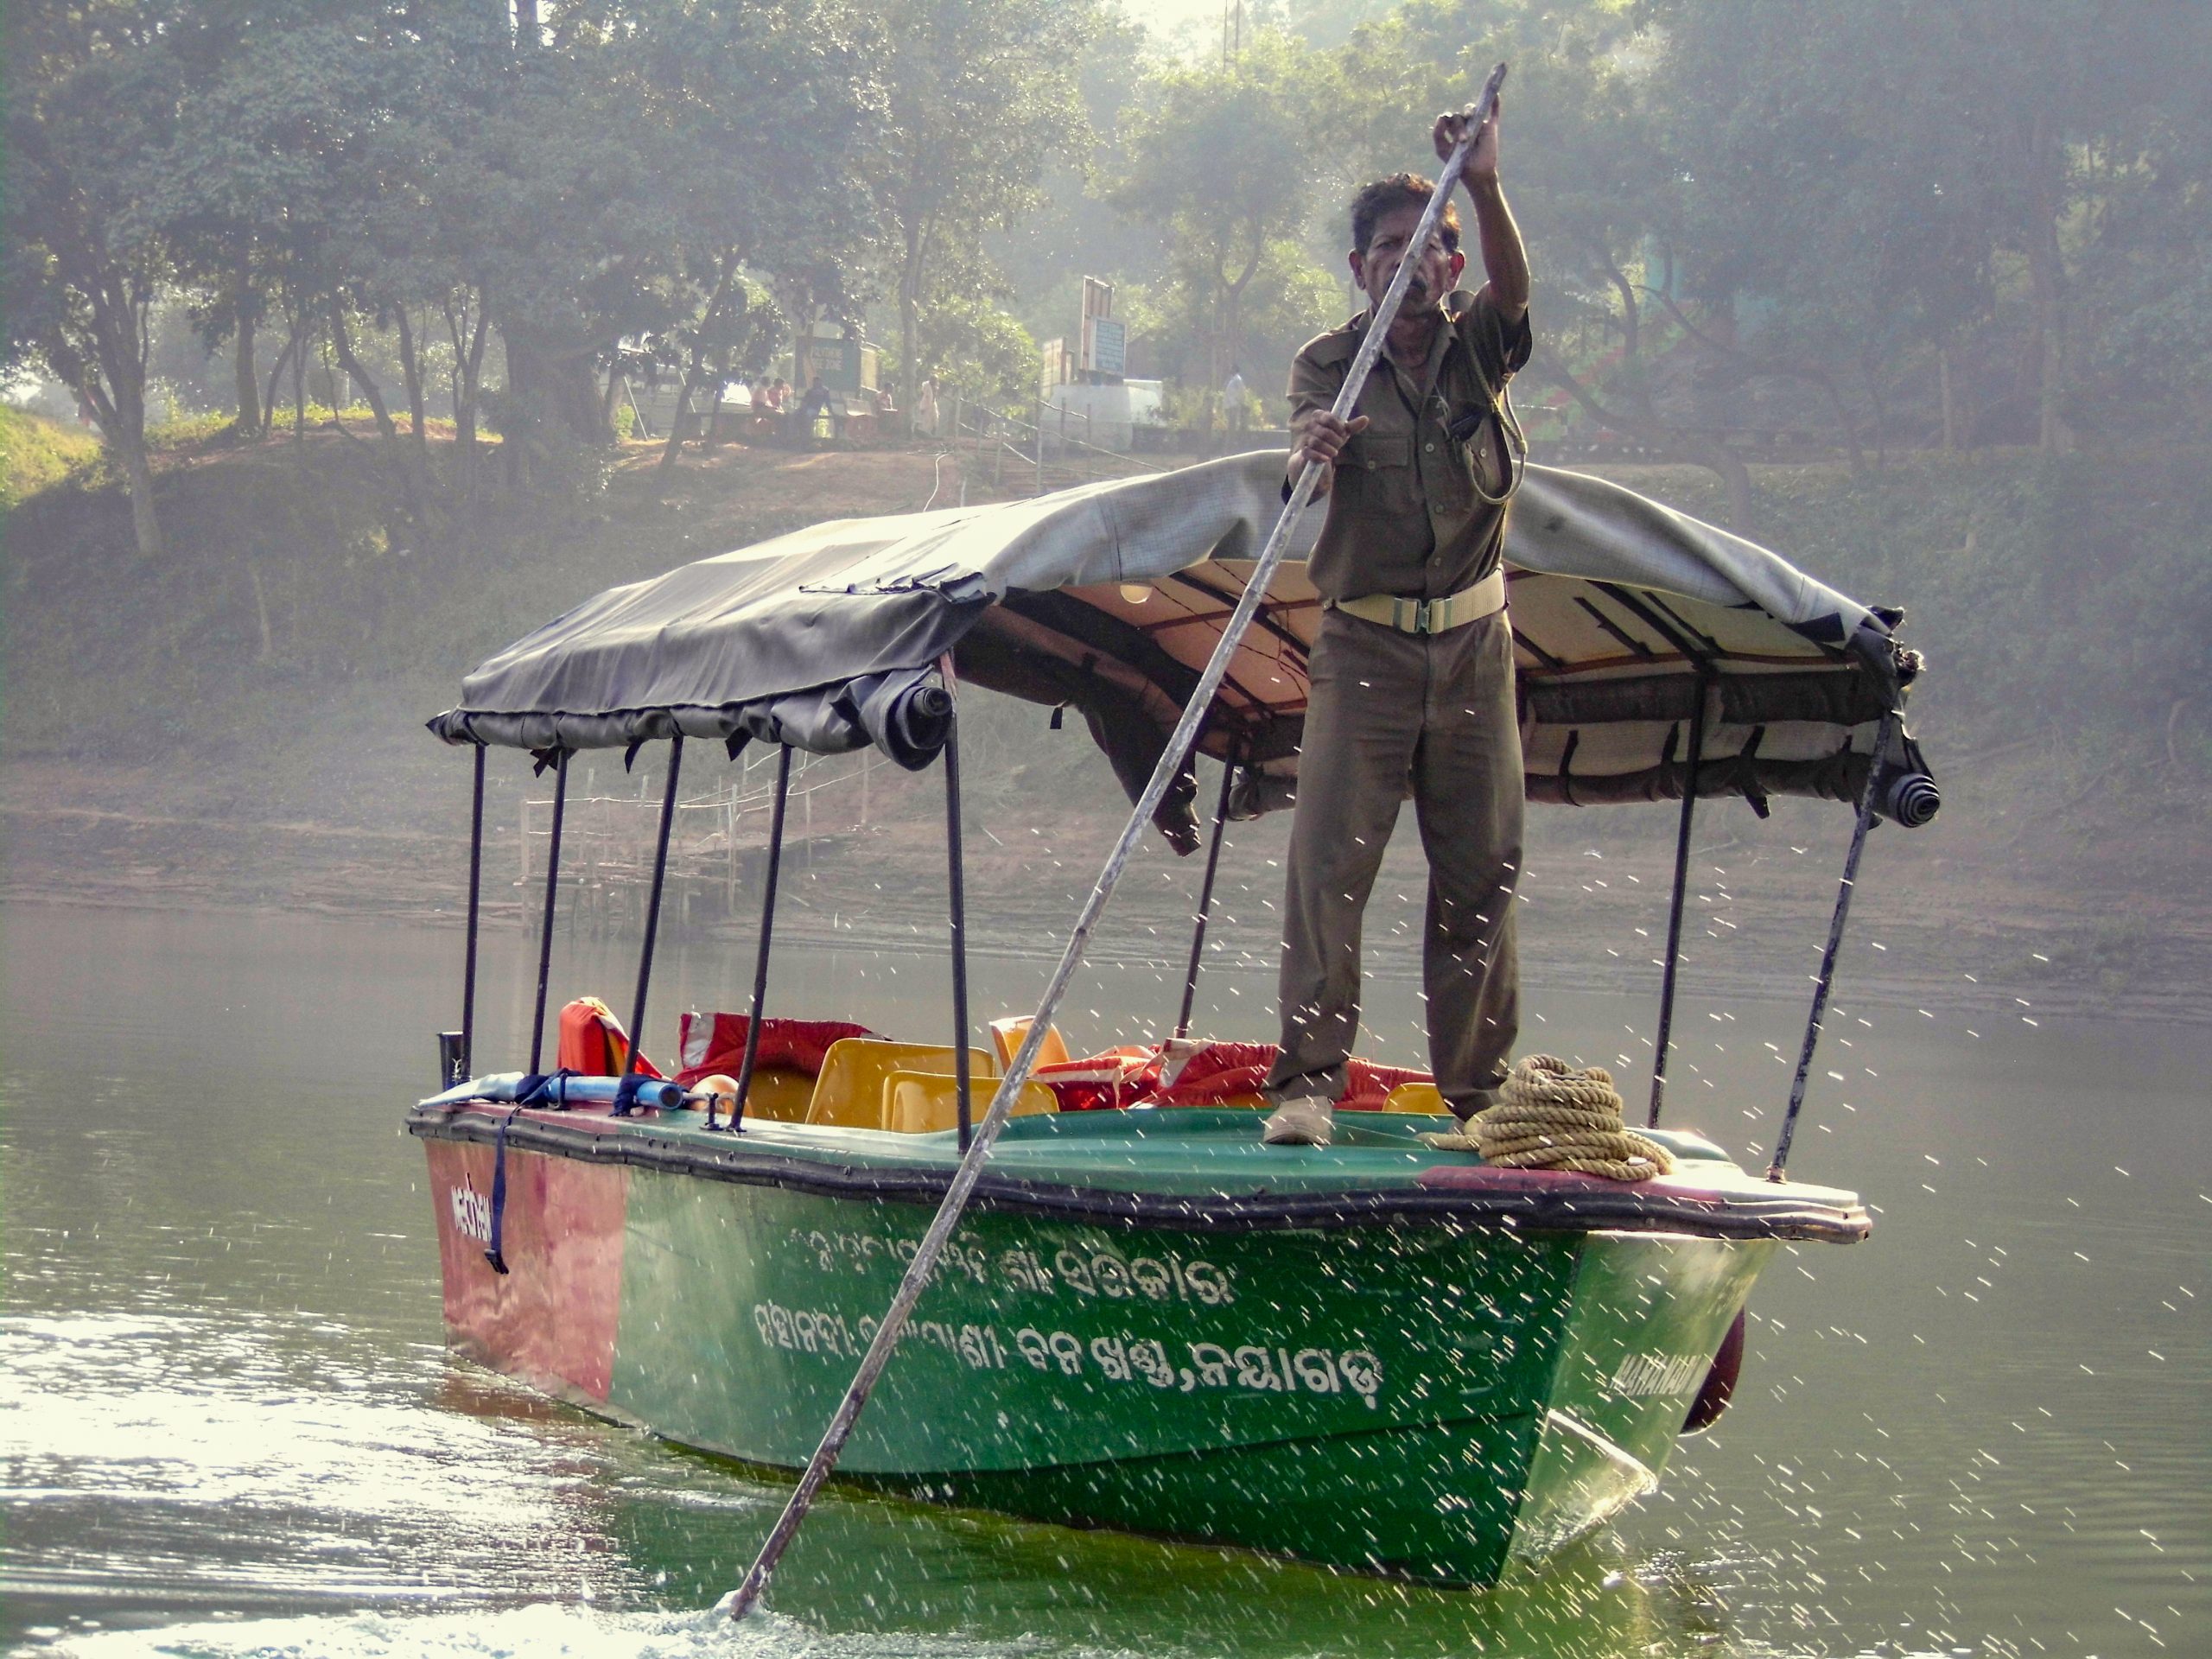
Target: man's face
(1434, 273)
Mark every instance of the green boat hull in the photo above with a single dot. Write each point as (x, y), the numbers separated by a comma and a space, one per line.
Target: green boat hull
(1369, 1375)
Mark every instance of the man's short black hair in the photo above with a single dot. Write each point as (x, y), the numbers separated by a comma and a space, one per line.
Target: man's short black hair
(1387, 195)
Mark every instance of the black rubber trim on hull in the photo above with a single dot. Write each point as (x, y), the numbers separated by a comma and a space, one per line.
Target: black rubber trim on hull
(1626, 1210)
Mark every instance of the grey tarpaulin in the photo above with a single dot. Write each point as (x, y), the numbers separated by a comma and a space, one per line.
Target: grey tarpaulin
(1111, 597)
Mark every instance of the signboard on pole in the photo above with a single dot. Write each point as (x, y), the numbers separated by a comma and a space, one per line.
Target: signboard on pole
(1101, 347)
(1109, 347)
(1055, 365)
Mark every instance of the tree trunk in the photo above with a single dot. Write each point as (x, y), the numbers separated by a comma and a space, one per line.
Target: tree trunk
(575, 388)
(299, 382)
(410, 370)
(121, 411)
(554, 385)
(2047, 284)
(116, 391)
(680, 424)
(140, 474)
(468, 378)
(244, 376)
(277, 378)
(413, 484)
(910, 330)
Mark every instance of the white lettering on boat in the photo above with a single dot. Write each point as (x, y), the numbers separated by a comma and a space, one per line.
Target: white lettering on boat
(1648, 1374)
(471, 1213)
(1108, 1272)
(1272, 1370)
(860, 1250)
(1088, 1270)
(1122, 1358)
(815, 1330)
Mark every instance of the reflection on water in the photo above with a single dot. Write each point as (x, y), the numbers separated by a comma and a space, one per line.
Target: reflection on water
(228, 1425)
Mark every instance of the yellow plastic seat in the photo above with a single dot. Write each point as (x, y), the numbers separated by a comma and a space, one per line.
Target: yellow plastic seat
(1007, 1035)
(849, 1091)
(779, 1094)
(1417, 1098)
(923, 1103)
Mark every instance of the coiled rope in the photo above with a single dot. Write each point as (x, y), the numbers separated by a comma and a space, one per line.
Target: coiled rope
(1554, 1115)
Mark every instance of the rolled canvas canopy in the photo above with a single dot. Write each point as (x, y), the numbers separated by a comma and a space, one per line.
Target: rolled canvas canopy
(1109, 598)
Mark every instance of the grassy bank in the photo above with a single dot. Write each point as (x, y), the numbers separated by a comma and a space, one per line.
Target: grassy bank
(37, 455)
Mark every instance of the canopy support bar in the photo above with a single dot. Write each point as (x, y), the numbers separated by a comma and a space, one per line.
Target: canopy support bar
(768, 930)
(552, 892)
(626, 1092)
(1674, 908)
(1205, 894)
(957, 882)
(1173, 755)
(464, 1061)
(1883, 736)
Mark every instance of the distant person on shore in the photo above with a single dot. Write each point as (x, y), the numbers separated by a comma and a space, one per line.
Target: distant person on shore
(925, 408)
(1233, 397)
(817, 404)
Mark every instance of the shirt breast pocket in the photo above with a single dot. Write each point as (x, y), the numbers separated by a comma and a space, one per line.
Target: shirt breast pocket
(1375, 475)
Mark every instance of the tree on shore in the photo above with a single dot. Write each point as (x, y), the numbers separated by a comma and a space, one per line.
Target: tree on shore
(92, 93)
(979, 95)
(1222, 156)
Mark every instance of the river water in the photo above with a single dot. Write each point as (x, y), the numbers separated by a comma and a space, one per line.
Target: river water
(228, 1424)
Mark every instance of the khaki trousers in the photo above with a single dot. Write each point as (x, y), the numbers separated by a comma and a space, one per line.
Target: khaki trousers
(1390, 715)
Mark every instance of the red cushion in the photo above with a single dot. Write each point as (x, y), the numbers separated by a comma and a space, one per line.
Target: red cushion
(715, 1043)
(1187, 1073)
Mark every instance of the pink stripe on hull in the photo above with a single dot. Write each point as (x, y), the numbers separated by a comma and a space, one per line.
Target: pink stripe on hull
(551, 1318)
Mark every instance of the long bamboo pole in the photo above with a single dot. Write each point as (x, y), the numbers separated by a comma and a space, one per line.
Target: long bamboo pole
(970, 1168)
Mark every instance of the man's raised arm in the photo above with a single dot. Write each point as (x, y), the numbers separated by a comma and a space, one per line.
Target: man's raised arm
(1505, 260)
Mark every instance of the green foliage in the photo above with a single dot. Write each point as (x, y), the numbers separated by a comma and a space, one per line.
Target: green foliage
(37, 454)
(980, 96)
(979, 350)
(1291, 299)
(1219, 156)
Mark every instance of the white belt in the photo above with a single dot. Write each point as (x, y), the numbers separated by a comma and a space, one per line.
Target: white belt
(1485, 598)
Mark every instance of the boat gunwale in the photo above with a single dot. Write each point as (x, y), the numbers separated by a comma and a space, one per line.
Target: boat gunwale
(1792, 1214)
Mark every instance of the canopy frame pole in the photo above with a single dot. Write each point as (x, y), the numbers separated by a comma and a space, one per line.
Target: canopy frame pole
(1229, 766)
(626, 1092)
(464, 1062)
(1822, 980)
(552, 893)
(1665, 1036)
(1171, 756)
(767, 932)
(956, 894)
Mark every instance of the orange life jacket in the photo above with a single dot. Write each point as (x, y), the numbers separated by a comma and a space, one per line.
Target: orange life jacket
(593, 1044)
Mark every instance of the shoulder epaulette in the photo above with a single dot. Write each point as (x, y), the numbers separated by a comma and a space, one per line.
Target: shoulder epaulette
(1337, 346)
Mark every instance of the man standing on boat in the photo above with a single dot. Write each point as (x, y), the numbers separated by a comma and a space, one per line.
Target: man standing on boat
(1412, 674)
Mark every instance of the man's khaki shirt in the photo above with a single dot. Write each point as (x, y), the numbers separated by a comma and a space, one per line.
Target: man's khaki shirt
(1404, 516)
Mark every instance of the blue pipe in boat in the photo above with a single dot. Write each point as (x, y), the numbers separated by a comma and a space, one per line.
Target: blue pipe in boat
(523, 1087)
